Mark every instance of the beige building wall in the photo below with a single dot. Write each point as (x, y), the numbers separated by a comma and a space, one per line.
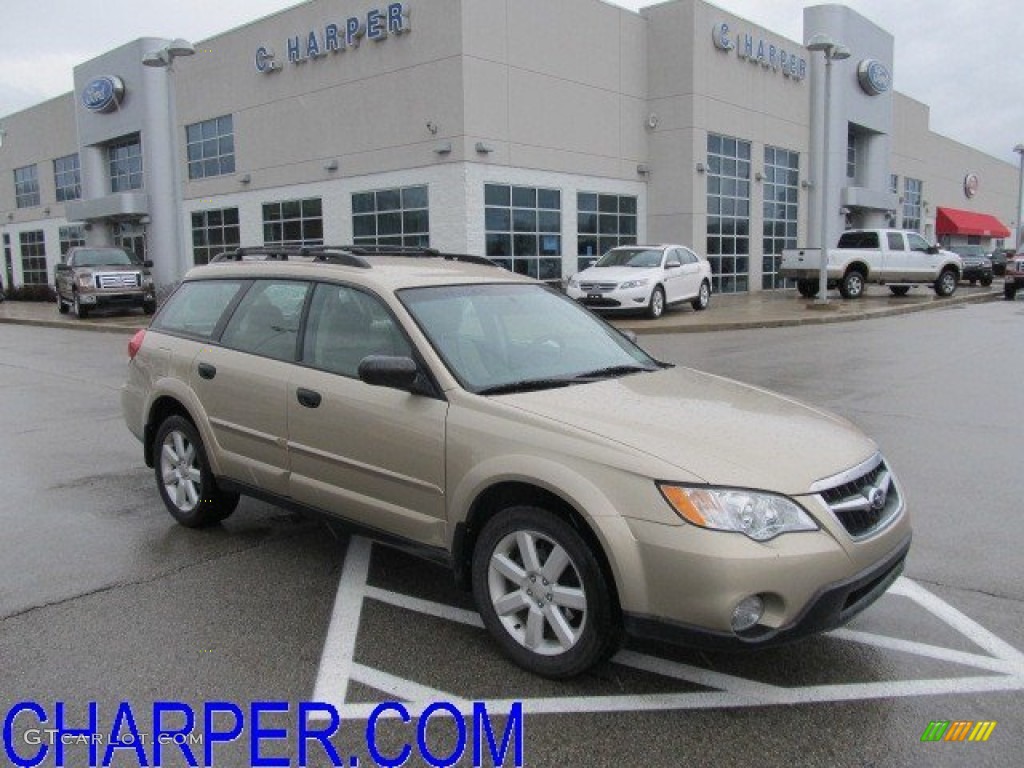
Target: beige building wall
(943, 164)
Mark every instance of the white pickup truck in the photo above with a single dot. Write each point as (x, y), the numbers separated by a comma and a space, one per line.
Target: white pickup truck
(890, 257)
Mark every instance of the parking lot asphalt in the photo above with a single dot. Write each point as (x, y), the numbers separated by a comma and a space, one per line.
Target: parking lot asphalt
(765, 309)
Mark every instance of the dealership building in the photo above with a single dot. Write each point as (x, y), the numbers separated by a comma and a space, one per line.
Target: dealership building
(538, 133)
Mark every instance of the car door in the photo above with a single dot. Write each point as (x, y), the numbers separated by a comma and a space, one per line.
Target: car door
(692, 274)
(897, 260)
(672, 271)
(922, 264)
(370, 454)
(243, 383)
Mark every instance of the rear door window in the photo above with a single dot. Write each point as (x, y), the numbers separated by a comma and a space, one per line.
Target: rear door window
(267, 319)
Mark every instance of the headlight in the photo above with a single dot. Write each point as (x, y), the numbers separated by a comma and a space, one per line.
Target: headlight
(761, 516)
(632, 284)
(573, 282)
(85, 281)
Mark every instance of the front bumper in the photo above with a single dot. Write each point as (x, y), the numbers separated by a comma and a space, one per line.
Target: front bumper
(133, 299)
(976, 273)
(619, 300)
(832, 606)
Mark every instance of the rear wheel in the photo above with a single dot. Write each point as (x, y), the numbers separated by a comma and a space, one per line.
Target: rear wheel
(807, 288)
(986, 281)
(656, 306)
(183, 475)
(852, 286)
(899, 290)
(946, 284)
(703, 297)
(542, 594)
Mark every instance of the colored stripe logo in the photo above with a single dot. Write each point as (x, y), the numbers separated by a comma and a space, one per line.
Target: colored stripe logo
(958, 730)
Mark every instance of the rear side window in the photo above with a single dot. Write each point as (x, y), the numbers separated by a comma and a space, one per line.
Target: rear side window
(859, 240)
(196, 307)
(895, 240)
(267, 319)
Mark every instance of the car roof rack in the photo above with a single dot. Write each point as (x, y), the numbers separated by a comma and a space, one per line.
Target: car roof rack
(345, 255)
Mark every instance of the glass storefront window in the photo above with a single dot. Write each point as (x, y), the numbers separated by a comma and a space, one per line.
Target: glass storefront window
(780, 209)
(523, 229)
(398, 216)
(728, 203)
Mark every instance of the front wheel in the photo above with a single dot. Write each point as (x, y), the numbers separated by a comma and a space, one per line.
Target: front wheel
(81, 311)
(946, 284)
(703, 297)
(1009, 292)
(986, 281)
(899, 290)
(62, 306)
(852, 286)
(542, 594)
(656, 306)
(149, 307)
(183, 475)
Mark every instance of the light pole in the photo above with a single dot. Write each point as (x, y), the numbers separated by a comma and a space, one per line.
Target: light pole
(169, 200)
(1019, 149)
(833, 52)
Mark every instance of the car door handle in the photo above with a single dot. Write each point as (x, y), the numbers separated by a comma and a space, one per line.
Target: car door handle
(308, 398)
(207, 371)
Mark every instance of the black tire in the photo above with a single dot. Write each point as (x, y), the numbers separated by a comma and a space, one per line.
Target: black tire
(179, 461)
(945, 285)
(501, 574)
(703, 297)
(899, 290)
(81, 311)
(62, 306)
(149, 307)
(973, 281)
(807, 288)
(1009, 292)
(852, 285)
(986, 281)
(656, 306)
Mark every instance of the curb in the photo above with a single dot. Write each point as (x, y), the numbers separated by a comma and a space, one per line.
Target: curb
(79, 326)
(811, 319)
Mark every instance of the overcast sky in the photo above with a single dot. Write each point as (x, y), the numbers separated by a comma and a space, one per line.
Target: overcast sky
(963, 58)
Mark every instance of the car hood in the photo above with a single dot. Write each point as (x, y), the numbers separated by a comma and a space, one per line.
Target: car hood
(722, 431)
(615, 274)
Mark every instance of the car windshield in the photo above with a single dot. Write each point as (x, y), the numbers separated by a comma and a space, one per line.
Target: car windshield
(104, 257)
(501, 338)
(630, 257)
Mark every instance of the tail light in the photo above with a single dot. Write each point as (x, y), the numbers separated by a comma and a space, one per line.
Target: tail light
(136, 344)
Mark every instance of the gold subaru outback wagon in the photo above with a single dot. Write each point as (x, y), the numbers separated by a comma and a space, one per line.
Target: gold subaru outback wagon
(579, 487)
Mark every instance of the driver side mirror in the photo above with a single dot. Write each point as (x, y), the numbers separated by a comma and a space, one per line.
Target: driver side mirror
(933, 249)
(392, 372)
(148, 263)
(62, 267)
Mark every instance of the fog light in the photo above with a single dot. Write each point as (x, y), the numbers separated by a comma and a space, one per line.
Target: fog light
(747, 613)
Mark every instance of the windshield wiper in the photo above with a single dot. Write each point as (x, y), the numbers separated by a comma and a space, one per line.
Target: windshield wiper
(612, 371)
(526, 385)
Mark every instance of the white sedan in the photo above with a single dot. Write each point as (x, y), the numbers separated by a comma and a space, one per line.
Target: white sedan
(644, 278)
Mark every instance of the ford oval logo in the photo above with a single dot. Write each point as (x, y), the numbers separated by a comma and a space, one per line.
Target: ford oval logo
(874, 77)
(103, 94)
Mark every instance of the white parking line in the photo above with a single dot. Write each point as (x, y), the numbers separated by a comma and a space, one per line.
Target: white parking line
(337, 667)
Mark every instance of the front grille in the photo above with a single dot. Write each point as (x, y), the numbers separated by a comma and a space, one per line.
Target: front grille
(598, 286)
(864, 501)
(110, 280)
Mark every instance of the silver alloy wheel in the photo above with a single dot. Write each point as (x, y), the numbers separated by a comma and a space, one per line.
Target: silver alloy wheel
(537, 593)
(657, 302)
(179, 468)
(705, 295)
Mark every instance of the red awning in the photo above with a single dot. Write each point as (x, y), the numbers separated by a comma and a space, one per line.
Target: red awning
(951, 221)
